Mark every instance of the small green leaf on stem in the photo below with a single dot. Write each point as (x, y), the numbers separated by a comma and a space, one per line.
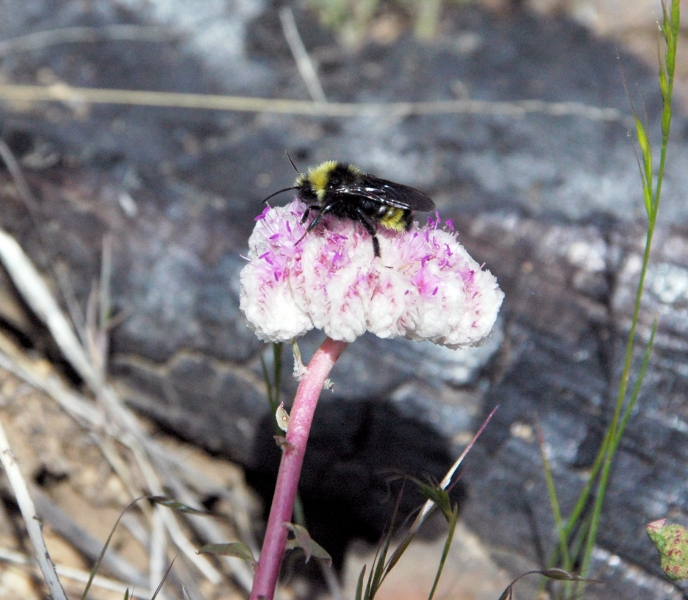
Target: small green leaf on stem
(646, 171)
(178, 506)
(559, 575)
(440, 497)
(282, 417)
(235, 549)
(646, 150)
(642, 136)
(299, 368)
(303, 540)
(663, 82)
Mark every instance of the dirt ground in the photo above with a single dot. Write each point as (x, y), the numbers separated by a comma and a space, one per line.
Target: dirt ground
(72, 468)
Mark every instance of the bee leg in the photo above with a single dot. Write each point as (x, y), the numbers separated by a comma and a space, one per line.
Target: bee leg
(308, 212)
(376, 246)
(314, 223)
(369, 226)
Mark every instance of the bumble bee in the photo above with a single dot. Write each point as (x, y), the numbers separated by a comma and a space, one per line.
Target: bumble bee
(343, 190)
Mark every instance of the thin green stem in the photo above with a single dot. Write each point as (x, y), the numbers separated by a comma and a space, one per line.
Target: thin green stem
(600, 472)
(277, 361)
(616, 429)
(554, 503)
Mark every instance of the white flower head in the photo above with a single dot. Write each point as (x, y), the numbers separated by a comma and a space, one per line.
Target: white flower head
(424, 286)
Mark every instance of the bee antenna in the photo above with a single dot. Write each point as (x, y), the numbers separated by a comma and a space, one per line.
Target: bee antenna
(292, 162)
(279, 192)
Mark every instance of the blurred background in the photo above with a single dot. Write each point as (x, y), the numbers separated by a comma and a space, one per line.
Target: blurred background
(138, 138)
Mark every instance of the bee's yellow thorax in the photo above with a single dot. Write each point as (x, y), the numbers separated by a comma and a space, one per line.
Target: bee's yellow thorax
(318, 177)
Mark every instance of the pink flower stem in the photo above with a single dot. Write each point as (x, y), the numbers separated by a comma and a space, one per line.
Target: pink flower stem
(293, 452)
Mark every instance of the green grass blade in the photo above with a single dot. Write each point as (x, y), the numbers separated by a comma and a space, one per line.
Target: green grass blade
(96, 566)
(445, 553)
(164, 579)
(278, 364)
(636, 390)
(379, 572)
(359, 585)
(554, 501)
(268, 383)
(599, 476)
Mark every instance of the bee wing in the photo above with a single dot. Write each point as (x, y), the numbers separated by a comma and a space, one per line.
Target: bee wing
(391, 193)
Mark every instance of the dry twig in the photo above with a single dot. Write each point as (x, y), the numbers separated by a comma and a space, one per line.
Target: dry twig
(304, 63)
(77, 575)
(66, 94)
(42, 39)
(28, 511)
(112, 417)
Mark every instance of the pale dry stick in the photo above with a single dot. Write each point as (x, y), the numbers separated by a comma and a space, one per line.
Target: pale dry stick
(167, 462)
(136, 528)
(176, 534)
(70, 402)
(84, 542)
(98, 311)
(304, 64)
(40, 300)
(34, 291)
(157, 550)
(66, 94)
(42, 39)
(71, 302)
(86, 414)
(31, 522)
(82, 411)
(104, 300)
(5, 361)
(31, 205)
(109, 451)
(92, 343)
(154, 540)
(162, 518)
(132, 436)
(171, 464)
(181, 479)
(206, 530)
(36, 294)
(76, 406)
(105, 583)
